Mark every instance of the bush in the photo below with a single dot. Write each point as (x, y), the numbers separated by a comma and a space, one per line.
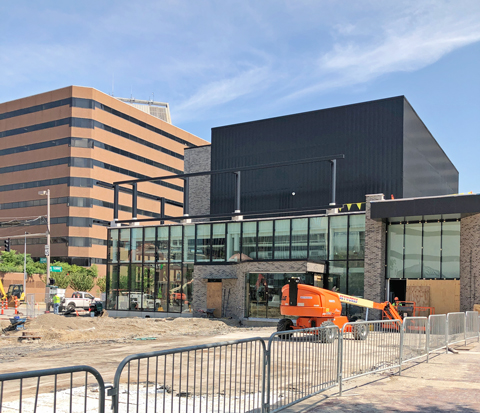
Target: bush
(81, 281)
(102, 284)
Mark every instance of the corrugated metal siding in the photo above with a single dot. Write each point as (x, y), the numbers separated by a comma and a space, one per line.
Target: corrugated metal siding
(369, 134)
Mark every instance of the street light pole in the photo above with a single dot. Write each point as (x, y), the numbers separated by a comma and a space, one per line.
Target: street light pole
(25, 265)
(47, 193)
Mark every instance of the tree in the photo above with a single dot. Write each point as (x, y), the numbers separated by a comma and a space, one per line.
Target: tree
(102, 284)
(81, 281)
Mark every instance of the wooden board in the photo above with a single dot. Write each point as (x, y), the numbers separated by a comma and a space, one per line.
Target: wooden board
(214, 298)
(444, 294)
(476, 307)
(420, 294)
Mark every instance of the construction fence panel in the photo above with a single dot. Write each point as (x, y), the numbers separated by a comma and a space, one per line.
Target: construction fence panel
(301, 363)
(471, 325)
(220, 377)
(415, 343)
(77, 389)
(368, 347)
(456, 327)
(30, 303)
(438, 331)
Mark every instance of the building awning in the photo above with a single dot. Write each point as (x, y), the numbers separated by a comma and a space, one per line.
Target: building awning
(220, 276)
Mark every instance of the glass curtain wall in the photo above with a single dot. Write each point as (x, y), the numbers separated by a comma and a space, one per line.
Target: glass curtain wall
(424, 249)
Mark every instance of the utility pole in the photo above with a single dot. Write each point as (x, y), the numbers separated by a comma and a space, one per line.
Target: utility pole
(47, 249)
(25, 266)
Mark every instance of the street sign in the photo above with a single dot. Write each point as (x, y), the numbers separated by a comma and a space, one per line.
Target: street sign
(47, 250)
(55, 269)
(43, 260)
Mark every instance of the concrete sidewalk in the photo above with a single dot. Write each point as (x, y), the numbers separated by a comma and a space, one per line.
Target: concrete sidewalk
(448, 383)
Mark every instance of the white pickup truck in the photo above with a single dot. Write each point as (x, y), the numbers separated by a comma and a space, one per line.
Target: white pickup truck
(80, 300)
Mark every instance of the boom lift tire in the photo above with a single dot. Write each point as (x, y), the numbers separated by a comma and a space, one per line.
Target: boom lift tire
(326, 333)
(360, 331)
(285, 324)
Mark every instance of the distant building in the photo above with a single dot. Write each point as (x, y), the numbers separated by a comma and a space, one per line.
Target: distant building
(77, 141)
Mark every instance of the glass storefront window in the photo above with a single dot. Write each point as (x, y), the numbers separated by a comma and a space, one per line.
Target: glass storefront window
(337, 277)
(162, 244)
(123, 288)
(189, 243)
(124, 242)
(112, 282)
(149, 246)
(282, 239)
(338, 237)
(218, 242)
(188, 287)
(413, 251)
(233, 241)
(176, 243)
(355, 278)
(431, 249)
(113, 246)
(148, 291)
(203, 243)
(451, 250)
(249, 241)
(356, 237)
(161, 290)
(265, 240)
(318, 238)
(395, 251)
(299, 238)
(137, 244)
(176, 294)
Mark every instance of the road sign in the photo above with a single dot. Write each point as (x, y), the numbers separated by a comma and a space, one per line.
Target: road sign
(43, 260)
(55, 269)
(47, 250)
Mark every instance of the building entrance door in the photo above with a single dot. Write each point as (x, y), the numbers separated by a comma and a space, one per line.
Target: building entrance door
(214, 297)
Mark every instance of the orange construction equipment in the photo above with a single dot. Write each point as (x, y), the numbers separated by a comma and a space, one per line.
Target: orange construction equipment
(316, 306)
(2, 307)
(16, 305)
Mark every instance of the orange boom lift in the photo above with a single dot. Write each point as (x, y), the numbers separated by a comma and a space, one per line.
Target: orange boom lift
(317, 307)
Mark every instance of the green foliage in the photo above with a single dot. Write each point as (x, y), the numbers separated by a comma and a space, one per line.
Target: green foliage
(13, 262)
(81, 281)
(102, 284)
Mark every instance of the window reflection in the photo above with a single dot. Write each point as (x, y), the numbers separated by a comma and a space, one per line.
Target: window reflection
(249, 241)
(282, 239)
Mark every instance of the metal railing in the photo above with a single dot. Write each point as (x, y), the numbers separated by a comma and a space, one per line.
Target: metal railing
(415, 338)
(30, 303)
(240, 376)
(63, 389)
(300, 363)
(220, 377)
(368, 347)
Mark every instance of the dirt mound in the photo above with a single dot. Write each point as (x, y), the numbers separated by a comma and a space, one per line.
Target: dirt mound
(56, 328)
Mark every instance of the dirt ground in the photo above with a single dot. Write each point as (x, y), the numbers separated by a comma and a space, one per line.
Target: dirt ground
(103, 342)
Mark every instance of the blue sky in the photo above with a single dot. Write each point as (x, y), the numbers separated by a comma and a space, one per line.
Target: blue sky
(222, 62)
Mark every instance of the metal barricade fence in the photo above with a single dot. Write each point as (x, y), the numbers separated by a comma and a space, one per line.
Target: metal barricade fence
(438, 334)
(300, 363)
(220, 377)
(63, 389)
(368, 347)
(456, 327)
(30, 302)
(415, 338)
(471, 325)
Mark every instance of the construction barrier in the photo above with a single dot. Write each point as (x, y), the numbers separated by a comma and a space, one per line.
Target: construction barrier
(438, 334)
(300, 363)
(244, 375)
(30, 304)
(415, 338)
(227, 377)
(64, 389)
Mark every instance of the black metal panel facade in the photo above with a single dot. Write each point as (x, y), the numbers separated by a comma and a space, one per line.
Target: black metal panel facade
(370, 135)
(427, 169)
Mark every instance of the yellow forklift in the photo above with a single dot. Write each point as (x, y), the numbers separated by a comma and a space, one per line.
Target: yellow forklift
(14, 290)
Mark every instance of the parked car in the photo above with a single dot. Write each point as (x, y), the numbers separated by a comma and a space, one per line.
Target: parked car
(80, 300)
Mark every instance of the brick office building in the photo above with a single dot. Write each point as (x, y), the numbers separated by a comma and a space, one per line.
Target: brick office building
(77, 141)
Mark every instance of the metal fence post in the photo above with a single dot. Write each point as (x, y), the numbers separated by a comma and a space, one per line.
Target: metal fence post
(446, 335)
(266, 394)
(401, 349)
(340, 361)
(465, 327)
(428, 338)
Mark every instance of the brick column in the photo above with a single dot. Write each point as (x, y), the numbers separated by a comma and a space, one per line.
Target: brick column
(375, 238)
(469, 262)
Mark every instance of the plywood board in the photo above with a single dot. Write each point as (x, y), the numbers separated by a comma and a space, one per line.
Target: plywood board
(420, 294)
(476, 307)
(214, 298)
(444, 294)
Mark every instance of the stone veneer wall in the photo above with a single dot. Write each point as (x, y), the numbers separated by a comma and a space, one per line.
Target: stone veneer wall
(198, 160)
(236, 304)
(375, 249)
(469, 262)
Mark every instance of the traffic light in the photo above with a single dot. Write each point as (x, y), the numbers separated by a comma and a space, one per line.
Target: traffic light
(7, 245)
